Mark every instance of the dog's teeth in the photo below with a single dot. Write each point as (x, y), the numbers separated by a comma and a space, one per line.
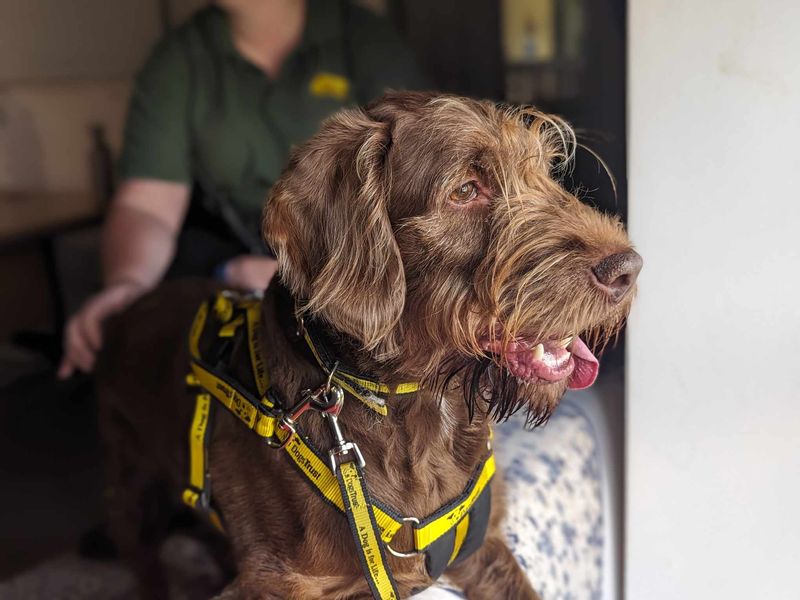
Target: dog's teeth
(538, 351)
(566, 341)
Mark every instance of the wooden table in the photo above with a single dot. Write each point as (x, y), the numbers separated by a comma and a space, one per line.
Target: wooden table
(38, 218)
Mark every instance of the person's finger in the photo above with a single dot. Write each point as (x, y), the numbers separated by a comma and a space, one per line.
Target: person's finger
(65, 369)
(91, 325)
(88, 363)
(83, 358)
(79, 352)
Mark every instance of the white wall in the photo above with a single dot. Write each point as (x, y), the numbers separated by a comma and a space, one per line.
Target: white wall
(713, 464)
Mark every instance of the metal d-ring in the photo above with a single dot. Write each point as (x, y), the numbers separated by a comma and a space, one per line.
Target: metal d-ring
(330, 376)
(404, 554)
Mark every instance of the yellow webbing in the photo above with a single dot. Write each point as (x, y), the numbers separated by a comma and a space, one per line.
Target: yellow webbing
(380, 409)
(190, 499)
(461, 534)
(364, 532)
(427, 533)
(308, 461)
(346, 381)
(254, 346)
(197, 330)
(319, 474)
(382, 388)
(197, 441)
(198, 457)
(223, 307)
(316, 471)
(237, 403)
(229, 329)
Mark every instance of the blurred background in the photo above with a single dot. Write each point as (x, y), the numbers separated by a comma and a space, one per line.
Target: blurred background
(700, 461)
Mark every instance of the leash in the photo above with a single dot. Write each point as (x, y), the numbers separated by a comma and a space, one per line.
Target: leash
(448, 535)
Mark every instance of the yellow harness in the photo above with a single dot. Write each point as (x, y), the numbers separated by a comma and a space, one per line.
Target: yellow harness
(451, 533)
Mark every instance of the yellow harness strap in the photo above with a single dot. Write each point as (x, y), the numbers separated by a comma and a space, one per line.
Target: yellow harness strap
(360, 387)
(197, 495)
(450, 534)
(447, 517)
(365, 530)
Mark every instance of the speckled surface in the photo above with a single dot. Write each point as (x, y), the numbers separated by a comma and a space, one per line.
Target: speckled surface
(555, 515)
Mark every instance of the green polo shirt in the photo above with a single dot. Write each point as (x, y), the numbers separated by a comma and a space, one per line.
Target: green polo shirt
(202, 114)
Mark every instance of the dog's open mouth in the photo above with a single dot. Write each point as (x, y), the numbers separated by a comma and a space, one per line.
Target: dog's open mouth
(550, 361)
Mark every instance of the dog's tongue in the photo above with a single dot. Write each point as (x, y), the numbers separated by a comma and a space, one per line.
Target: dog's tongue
(586, 366)
(578, 366)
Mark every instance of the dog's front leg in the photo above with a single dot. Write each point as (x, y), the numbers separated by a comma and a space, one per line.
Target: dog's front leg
(492, 572)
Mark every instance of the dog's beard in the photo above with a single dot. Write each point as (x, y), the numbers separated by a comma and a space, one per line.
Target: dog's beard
(492, 389)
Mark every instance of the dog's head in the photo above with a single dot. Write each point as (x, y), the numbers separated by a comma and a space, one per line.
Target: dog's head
(434, 232)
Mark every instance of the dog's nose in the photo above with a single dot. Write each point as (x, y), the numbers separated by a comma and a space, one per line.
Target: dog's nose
(617, 273)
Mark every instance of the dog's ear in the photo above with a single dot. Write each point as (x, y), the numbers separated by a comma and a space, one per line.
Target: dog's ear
(327, 221)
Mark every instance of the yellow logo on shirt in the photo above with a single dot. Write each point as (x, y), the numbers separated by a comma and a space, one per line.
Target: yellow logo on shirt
(329, 85)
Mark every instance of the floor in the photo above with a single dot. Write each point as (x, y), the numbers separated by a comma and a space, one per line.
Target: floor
(50, 461)
(51, 472)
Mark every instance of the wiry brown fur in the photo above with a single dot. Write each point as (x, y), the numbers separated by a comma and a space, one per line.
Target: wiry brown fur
(415, 282)
(408, 284)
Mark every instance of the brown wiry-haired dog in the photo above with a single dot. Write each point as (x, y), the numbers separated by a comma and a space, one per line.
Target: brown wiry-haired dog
(431, 238)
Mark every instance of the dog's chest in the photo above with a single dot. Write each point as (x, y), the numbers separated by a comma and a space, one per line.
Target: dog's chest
(420, 457)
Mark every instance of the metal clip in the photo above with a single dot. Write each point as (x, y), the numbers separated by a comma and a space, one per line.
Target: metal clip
(341, 447)
(307, 401)
(327, 398)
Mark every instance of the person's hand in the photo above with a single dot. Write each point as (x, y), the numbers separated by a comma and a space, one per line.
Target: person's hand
(83, 334)
(250, 272)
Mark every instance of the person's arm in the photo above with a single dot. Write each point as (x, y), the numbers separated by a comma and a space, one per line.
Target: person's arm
(148, 209)
(138, 244)
(158, 151)
(147, 212)
(140, 231)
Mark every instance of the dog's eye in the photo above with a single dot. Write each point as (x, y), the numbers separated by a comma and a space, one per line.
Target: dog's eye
(466, 192)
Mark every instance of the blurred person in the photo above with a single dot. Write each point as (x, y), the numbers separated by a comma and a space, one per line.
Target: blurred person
(213, 115)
